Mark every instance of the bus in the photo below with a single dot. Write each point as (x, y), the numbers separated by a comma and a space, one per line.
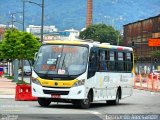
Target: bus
(82, 72)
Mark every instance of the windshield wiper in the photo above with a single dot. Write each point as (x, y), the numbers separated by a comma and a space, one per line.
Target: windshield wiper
(63, 64)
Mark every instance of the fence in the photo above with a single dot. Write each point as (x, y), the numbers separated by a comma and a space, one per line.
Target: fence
(149, 82)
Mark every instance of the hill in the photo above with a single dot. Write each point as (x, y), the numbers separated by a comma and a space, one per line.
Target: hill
(66, 14)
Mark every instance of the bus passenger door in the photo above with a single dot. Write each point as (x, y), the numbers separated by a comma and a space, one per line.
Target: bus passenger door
(92, 70)
(93, 61)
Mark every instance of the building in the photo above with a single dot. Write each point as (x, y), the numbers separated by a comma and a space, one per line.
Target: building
(37, 29)
(52, 33)
(139, 35)
(2, 30)
(70, 34)
(47, 31)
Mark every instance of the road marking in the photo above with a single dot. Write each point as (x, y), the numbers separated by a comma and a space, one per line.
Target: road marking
(13, 110)
(98, 114)
(154, 93)
(94, 112)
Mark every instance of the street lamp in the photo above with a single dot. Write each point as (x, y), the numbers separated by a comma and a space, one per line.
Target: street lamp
(42, 16)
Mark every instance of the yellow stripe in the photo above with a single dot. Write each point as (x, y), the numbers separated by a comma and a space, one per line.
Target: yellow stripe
(56, 83)
(62, 42)
(105, 46)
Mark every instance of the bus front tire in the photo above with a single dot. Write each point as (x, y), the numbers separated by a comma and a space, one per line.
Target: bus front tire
(44, 102)
(114, 102)
(85, 104)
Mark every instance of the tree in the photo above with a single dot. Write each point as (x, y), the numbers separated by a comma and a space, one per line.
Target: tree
(156, 54)
(1, 57)
(19, 45)
(8, 44)
(101, 33)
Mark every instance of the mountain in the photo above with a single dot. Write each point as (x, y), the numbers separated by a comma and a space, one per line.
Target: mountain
(66, 14)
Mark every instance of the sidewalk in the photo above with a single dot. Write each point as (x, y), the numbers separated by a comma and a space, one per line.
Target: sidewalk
(7, 88)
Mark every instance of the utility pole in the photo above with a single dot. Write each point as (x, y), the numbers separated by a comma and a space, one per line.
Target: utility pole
(12, 15)
(15, 62)
(23, 14)
(42, 20)
(12, 19)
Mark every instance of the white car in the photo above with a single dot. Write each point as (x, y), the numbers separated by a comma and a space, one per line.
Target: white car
(156, 72)
(26, 70)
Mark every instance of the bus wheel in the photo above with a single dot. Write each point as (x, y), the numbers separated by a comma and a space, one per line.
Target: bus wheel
(85, 104)
(44, 102)
(114, 102)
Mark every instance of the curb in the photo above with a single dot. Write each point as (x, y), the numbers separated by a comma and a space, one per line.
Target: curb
(7, 96)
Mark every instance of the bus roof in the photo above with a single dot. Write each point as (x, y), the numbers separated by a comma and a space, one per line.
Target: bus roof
(90, 43)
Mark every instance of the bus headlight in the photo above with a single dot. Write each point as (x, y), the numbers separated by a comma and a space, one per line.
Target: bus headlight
(34, 80)
(79, 83)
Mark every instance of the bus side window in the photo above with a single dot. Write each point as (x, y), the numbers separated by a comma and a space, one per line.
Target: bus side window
(103, 60)
(129, 62)
(93, 62)
(120, 61)
(112, 61)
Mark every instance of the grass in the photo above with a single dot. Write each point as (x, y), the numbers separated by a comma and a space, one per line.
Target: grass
(22, 82)
(9, 77)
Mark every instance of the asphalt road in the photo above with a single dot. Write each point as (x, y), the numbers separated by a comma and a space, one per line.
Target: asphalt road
(141, 102)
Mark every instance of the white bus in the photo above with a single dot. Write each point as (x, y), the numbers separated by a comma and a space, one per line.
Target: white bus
(82, 72)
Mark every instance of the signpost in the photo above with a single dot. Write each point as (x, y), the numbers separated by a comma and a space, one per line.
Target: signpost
(153, 42)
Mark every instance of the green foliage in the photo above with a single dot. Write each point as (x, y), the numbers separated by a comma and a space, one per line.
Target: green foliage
(22, 82)
(101, 33)
(9, 77)
(18, 45)
(156, 54)
(1, 55)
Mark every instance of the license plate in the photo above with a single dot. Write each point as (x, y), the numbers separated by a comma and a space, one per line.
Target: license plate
(56, 96)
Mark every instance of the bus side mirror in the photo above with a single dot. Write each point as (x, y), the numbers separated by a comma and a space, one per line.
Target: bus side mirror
(35, 56)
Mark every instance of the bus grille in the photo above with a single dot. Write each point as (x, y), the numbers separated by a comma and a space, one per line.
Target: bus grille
(53, 92)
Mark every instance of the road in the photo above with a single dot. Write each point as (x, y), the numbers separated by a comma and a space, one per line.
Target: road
(141, 102)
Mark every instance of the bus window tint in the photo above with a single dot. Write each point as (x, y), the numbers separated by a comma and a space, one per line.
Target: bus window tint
(93, 62)
(103, 60)
(111, 62)
(120, 61)
(128, 62)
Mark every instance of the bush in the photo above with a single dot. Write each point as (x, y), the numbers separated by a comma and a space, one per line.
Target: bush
(9, 77)
(22, 82)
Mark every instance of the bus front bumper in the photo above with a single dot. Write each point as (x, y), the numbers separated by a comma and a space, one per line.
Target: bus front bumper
(61, 93)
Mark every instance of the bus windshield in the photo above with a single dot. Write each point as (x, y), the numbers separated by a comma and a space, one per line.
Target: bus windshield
(61, 60)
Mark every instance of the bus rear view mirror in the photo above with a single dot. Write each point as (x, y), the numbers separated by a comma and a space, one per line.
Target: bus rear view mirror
(35, 56)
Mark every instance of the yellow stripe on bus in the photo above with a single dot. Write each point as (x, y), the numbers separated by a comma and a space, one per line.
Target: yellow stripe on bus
(62, 42)
(56, 83)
